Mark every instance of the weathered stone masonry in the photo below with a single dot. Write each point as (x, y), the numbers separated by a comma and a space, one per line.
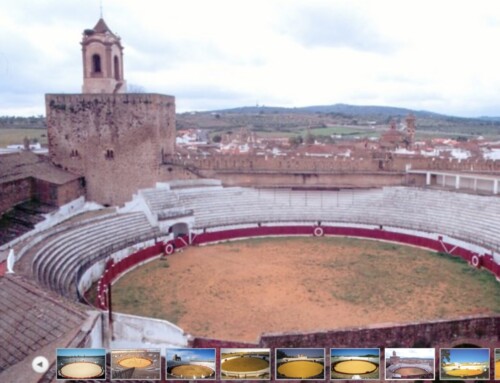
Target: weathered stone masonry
(116, 141)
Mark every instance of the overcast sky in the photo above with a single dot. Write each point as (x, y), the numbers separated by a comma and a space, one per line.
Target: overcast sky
(436, 55)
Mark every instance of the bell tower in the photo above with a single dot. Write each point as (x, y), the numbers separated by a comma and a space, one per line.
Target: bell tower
(102, 60)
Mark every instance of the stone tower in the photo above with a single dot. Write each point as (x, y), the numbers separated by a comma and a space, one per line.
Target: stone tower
(116, 140)
(102, 60)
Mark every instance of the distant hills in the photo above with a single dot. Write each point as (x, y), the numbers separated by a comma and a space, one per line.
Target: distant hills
(366, 111)
(272, 118)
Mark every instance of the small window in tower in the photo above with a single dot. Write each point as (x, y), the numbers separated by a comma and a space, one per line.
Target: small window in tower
(96, 63)
(117, 68)
(109, 154)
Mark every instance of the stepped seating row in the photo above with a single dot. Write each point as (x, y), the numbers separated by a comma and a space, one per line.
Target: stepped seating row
(56, 264)
(162, 198)
(197, 182)
(159, 199)
(469, 217)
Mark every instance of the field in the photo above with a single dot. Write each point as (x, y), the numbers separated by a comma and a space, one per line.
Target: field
(16, 136)
(238, 290)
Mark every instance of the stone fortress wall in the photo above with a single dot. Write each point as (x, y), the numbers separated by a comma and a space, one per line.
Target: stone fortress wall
(360, 163)
(326, 173)
(115, 141)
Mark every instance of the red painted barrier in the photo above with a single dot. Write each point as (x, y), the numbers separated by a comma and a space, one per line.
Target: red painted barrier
(113, 270)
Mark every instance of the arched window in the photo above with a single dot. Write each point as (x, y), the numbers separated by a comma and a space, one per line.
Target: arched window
(117, 68)
(96, 63)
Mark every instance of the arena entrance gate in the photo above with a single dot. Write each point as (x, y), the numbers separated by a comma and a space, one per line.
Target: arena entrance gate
(179, 229)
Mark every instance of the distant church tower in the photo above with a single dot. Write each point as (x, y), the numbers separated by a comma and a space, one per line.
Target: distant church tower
(410, 129)
(102, 60)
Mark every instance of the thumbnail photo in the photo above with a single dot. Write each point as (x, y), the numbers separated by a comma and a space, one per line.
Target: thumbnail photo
(81, 363)
(136, 364)
(245, 363)
(409, 363)
(465, 363)
(190, 363)
(355, 363)
(300, 363)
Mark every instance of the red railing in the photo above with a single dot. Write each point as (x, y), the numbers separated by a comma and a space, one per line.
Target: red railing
(113, 270)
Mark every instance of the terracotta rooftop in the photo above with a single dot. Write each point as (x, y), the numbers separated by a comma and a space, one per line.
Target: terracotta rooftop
(25, 164)
(31, 319)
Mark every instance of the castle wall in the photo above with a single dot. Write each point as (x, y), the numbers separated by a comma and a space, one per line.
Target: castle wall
(480, 331)
(116, 141)
(15, 192)
(57, 195)
(22, 190)
(368, 163)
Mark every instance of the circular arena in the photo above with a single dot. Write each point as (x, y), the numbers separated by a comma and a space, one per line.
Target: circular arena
(300, 369)
(135, 362)
(81, 370)
(191, 371)
(200, 283)
(465, 371)
(176, 218)
(245, 366)
(355, 367)
(410, 371)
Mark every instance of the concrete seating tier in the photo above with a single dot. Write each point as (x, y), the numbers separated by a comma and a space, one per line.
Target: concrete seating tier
(473, 218)
(173, 213)
(56, 264)
(197, 182)
(159, 199)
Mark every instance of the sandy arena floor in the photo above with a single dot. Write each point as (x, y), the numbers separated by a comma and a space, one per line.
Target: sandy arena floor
(81, 370)
(352, 367)
(464, 372)
(239, 290)
(301, 369)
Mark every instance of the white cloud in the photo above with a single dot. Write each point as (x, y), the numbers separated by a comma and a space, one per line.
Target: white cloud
(417, 54)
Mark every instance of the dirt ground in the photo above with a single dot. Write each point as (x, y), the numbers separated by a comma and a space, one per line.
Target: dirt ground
(239, 290)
